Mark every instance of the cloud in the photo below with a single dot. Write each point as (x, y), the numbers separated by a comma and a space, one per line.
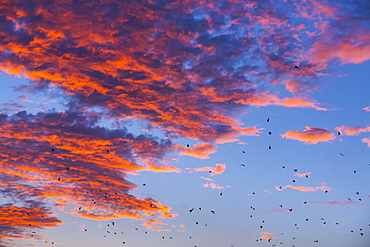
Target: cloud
(66, 159)
(323, 187)
(133, 61)
(218, 169)
(208, 179)
(311, 135)
(351, 130)
(356, 52)
(264, 235)
(187, 74)
(278, 210)
(16, 221)
(150, 224)
(25, 99)
(366, 108)
(366, 140)
(302, 174)
(335, 203)
(202, 150)
(265, 99)
(294, 102)
(267, 237)
(215, 186)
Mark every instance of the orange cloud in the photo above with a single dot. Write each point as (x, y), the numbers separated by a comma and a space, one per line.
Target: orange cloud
(150, 224)
(202, 150)
(267, 237)
(350, 130)
(323, 187)
(311, 135)
(264, 235)
(17, 221)
(182, 81)
(366, 108)
(66, 159)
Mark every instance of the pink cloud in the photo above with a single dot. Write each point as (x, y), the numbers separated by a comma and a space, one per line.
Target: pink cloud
(351, 130)
(278, 210)
(366, 108)
(208, 179)
(323, 187)
(294, 102)
(342, 50)
(366, 140)
(334, 202)
(215, 186)
(311, 135)
(302, 174)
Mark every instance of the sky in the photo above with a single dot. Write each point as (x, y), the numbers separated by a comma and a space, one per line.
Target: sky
(184, 123)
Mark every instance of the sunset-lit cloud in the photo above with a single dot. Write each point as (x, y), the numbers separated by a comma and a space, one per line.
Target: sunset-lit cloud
(335, 203)
(366, 108)
(215, 186)
(218, 169)
(264, 235)
(344, 51)
(202, 150)
(366, 140)
(65, 159)
(311, 135)
(188, 69)
(208, 179)
(352, 130)
(17, 221)
(302, 174)
(323, 187)
(278, 210)
(182, 79)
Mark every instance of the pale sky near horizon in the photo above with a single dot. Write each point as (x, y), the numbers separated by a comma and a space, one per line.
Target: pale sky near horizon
(186, 123)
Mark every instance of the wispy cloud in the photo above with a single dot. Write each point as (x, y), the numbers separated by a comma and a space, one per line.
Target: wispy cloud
(208, 179)
(335, 202)
(264, 235)
(218, 169)
(302, 174)
(323, 187)
(278, 210)
(366, 108)
(311, 135)
(202, 150)
(366, 140)
(215, 186)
